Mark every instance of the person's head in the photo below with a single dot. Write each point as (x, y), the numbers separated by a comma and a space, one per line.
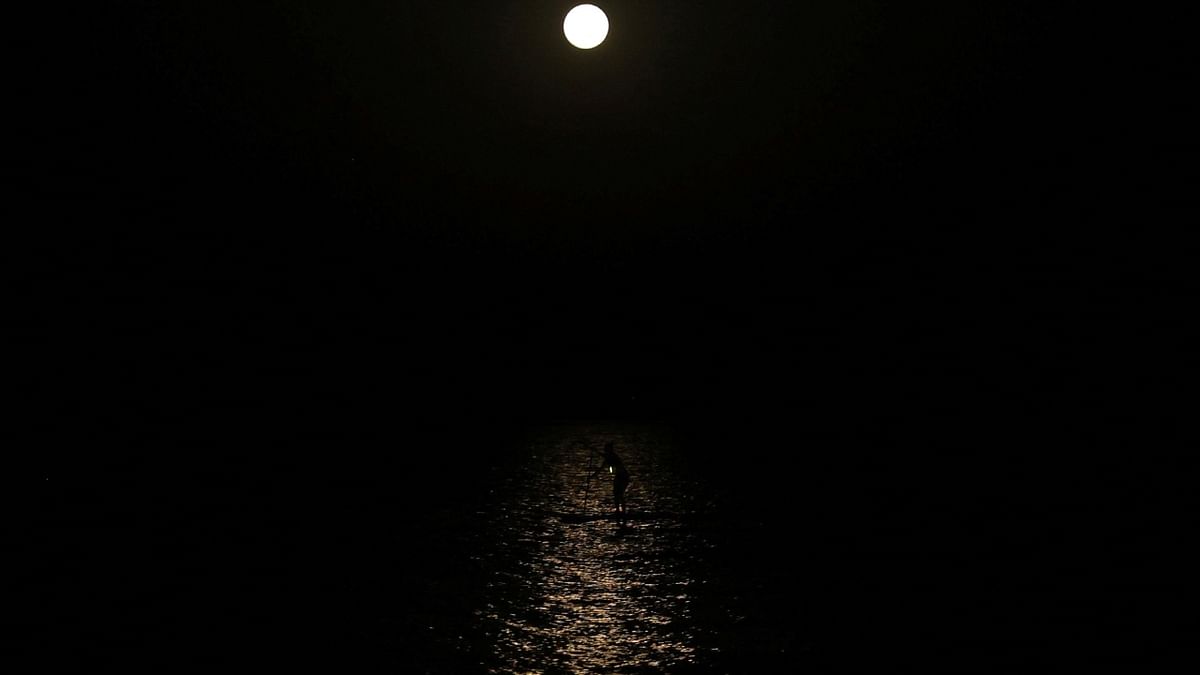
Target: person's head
(608, 448)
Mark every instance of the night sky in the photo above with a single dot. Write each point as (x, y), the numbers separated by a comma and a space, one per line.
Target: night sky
(442, 212)
(272, 230)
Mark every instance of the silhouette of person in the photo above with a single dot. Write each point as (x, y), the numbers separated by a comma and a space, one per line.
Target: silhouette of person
(620, 476)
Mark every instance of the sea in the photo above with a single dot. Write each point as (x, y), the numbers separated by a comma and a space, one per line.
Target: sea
(498, 553)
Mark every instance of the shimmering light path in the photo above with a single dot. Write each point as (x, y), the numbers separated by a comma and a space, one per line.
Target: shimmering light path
(599, 596)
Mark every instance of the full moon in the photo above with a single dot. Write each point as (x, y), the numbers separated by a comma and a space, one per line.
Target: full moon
(585, 26)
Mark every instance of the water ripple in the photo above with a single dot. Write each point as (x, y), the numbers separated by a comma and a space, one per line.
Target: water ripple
(593, 595)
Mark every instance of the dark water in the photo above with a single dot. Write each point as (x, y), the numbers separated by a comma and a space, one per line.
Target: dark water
(487, 554)
(453, 560)
(534, 574)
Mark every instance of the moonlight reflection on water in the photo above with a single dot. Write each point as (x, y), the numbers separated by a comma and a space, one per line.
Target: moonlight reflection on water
(600, 595)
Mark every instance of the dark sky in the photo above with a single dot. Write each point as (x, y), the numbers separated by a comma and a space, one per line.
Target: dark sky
(302, 214)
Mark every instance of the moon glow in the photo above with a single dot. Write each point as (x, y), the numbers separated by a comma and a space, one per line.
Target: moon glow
(586, 26)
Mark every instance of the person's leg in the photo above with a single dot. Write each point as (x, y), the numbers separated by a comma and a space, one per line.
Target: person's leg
(619, 494)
